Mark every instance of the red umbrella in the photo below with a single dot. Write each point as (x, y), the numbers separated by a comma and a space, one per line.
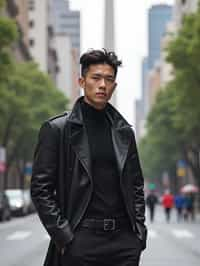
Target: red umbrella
(189, 188)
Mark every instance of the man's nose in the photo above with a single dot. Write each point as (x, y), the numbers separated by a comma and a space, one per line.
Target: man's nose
(102, 83)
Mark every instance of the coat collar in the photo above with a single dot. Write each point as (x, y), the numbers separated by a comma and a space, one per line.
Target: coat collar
(117, 120)
(79, 139)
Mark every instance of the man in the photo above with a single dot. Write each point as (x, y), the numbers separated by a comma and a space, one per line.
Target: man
(179, 202)
(87, 183)
(151, 202)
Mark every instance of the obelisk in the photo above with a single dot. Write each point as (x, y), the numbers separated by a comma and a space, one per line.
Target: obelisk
(109, 32)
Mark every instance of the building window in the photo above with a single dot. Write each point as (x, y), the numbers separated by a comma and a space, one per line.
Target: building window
(31, 42)
(31, 4)
(57, 69)
(31, 23)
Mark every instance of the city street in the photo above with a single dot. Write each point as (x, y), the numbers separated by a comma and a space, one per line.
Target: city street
(98, 98)
(172, 244)
(23, 242)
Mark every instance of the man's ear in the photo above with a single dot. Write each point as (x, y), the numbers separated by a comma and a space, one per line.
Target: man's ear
(81, 82)
(114, 86)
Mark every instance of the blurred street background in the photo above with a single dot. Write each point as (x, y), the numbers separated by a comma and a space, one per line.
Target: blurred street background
(158, 92)
(168, 244)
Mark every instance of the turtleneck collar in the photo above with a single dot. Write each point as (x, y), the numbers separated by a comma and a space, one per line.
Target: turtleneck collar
(91, 112)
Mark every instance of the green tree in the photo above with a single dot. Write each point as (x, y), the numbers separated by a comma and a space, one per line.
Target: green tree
(173, 127)
(160, 148)
(8, 34)
(27, 97)
(26, 100)
(184, 55)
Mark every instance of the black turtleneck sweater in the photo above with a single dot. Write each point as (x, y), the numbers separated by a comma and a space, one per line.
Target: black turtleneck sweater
(106, 199)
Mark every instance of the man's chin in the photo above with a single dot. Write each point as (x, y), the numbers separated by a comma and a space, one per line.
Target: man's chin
(100, 103)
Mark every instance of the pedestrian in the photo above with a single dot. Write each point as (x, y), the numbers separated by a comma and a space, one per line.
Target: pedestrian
(87, 183)
(179, 202)
(189, 212)
(151, 201)
(168, 203)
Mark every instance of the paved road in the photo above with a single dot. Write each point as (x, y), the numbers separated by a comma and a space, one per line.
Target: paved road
(23, 242)
(174, 244)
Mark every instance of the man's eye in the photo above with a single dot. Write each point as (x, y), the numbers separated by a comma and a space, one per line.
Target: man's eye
(110, 80)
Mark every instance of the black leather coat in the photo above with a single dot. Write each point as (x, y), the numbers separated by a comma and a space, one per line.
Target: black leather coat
(62, 185)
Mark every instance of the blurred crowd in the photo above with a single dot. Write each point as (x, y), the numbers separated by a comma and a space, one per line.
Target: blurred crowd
(184, 204)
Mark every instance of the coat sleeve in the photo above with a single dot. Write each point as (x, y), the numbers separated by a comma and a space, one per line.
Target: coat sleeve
(138, 188)
(43, 185)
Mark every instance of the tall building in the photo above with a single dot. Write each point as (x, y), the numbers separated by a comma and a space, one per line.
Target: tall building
(166, 69)
(109, 33)
(51, 33)
(66, 28)
(38, 34)
(14, 9)
(181, 8)
(154, 83)
(158, 17)
(138, 117)
(140, 104)
(66, 21)
(145, 65)
(23, 19)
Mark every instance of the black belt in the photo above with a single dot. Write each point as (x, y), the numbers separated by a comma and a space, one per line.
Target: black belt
(106, 224)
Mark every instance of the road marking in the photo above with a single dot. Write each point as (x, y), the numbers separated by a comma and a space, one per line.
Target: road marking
(182, 233)
(19, 235)
(152, 234)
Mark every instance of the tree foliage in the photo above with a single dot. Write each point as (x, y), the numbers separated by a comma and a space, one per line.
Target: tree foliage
(8, 34)
(27, 98)
(160, 148)
(173, 127)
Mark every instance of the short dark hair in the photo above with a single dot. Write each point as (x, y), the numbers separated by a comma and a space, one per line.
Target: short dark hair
(93, 57)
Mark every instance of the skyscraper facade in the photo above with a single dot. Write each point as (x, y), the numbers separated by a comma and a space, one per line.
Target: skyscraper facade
(66, 21)
(144, 84)
(159, 16)
(66, 27)
(37, 34)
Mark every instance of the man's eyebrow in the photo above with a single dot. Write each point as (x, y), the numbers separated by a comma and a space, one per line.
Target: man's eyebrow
(98, 74)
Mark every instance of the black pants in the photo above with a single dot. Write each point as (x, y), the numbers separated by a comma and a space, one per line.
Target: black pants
(168, 213)
(103, 248)
(152, 213)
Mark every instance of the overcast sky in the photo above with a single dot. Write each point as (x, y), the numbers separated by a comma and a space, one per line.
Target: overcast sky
(131, 42)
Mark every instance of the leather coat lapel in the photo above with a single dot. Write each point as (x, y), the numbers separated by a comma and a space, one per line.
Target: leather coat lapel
(79, 142)
(121, 146)
(79, 138)
(121, 137)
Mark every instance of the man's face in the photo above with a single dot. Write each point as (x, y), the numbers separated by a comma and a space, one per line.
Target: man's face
(98, 84)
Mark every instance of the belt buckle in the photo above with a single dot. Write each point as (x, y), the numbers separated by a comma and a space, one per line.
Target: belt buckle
(108, 224)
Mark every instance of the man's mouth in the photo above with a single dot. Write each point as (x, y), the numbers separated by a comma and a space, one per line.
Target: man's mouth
(101, 94)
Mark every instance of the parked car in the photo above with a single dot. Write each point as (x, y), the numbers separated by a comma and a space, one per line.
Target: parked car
(5, 212)
(28, 200)
(18, 204)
